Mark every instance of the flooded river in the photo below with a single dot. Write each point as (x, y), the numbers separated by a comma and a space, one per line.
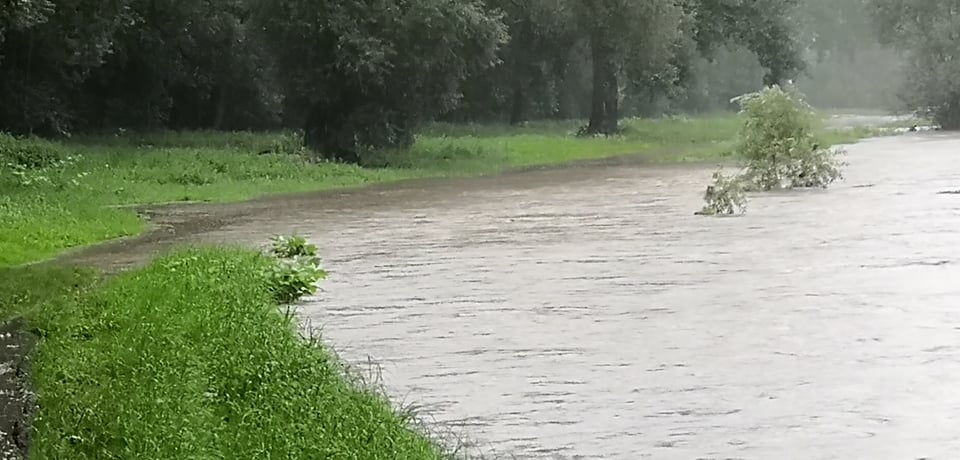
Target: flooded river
(587, 313)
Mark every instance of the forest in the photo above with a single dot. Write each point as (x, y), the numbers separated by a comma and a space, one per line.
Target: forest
(359, 74)
(121, 118)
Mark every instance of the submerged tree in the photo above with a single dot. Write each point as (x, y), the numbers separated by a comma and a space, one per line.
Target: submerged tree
(778, 150)
(778, 145)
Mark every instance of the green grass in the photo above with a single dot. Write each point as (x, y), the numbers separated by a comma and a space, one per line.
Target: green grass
(190, 358)
(78, 205)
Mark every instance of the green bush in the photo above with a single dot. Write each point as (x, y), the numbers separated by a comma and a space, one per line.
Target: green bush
(778, 146)
(295, 269)
(778, 150)
(32, 162)
(29, 153)
(292, 246)
(289, 143)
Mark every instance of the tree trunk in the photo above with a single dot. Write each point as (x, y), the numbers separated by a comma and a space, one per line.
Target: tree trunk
(220, 109)
(604, 113)
(948, 116)
(517, 111)
(521, 72)
(612, 103)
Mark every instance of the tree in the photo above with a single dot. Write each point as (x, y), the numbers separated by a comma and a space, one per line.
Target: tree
(23, 14)
(184, 64)
(847, 66)
(649, 42)
(365, 72)
(927, 31)
(626, 38)
(540, 40)
(765, 27)
(47, 50)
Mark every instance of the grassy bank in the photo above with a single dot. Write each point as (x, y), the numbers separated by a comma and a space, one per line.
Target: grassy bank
(191, 358)
(45, 211)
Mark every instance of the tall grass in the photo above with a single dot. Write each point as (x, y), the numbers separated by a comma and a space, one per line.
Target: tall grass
(190, 358)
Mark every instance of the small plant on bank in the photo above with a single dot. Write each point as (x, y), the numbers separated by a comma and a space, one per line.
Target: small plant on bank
(726, 196)
(294, 270)
(292, 246)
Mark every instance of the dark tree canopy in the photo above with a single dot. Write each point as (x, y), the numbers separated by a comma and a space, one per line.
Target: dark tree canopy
(929, 32)
(366, 72)
(356, 75)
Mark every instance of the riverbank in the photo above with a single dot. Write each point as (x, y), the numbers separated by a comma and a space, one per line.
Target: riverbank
(124, 364)
(191, 358)
(75, 194)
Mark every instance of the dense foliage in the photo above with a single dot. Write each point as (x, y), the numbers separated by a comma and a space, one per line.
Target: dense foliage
(778, 149)
(359, 74)
(778, 146)
(725, 196)
(927, 31)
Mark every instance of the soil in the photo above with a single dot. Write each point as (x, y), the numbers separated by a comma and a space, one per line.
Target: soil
(18, 402)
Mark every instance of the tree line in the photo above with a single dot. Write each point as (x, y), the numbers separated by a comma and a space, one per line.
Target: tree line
(356, 74)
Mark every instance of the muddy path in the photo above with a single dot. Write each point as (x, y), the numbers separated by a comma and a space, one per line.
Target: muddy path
(586, 313)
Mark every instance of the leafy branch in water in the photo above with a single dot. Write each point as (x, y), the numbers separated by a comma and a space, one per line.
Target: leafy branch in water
(726, 196)
(778, 150)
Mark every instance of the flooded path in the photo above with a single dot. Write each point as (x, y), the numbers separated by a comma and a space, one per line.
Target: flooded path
(587, 313)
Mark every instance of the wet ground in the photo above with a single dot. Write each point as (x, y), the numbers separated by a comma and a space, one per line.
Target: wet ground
(853, 120)
(587, 313)
(18, 403)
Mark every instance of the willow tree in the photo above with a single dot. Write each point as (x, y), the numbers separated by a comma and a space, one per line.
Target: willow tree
(367, 71)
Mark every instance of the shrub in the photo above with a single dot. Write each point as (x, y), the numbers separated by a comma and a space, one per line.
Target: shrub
(778, 146)
(295, 269)
(288, 143)
(778, 150)
(292, 246)
(29, 153)
(30, 162)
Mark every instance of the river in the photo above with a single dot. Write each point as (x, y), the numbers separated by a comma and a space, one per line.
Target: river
(585, 312)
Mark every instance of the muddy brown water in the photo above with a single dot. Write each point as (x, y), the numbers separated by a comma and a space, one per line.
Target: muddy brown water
(587, 313)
